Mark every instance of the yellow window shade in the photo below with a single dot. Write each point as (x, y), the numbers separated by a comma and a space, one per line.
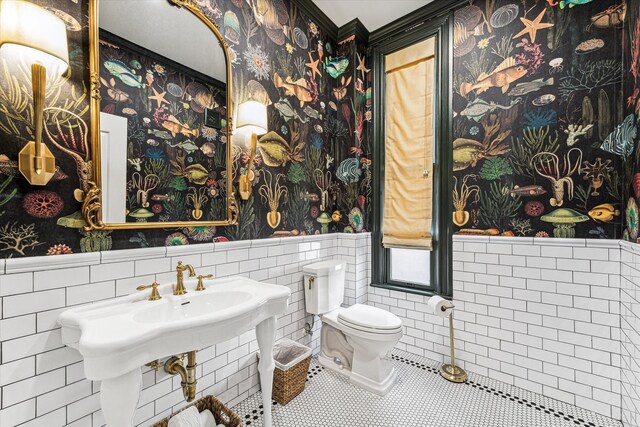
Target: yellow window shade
(409, 122)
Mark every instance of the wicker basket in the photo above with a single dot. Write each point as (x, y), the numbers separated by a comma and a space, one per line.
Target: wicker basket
(221, 413)
(290, 383)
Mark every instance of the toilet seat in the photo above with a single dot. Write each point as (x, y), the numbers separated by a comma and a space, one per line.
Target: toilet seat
(370, 319)
(369, 332)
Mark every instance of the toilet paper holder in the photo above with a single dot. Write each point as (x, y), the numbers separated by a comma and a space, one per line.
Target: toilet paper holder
(451, 372)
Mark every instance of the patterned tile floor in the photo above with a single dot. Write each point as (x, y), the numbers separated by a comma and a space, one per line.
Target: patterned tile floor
(420, 398)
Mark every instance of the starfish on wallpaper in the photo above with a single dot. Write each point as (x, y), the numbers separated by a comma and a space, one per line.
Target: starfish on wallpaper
(314, 66)
(158, 97)
(533, 26)
(361, 66)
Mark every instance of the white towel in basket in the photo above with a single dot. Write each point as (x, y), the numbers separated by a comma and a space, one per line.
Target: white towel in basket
(207, 419)
(190, 417)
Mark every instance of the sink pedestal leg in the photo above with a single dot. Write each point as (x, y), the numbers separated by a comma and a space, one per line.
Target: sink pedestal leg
(119, 398)
(266, 336)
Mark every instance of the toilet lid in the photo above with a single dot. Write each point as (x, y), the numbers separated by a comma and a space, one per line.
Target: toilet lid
(369, 317)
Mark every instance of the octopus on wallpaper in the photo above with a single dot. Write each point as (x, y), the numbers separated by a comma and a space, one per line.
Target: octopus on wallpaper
(539, 133)
(307, 172)
(632, 223)
(176, 159)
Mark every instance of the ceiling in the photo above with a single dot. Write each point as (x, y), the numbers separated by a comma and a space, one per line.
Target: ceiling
(372, 13)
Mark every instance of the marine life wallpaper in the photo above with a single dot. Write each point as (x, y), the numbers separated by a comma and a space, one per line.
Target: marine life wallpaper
(311, 174)
(176, 157)
(632, 98)
(541, 135)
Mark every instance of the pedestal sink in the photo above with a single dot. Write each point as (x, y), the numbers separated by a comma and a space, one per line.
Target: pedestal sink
(119, 336)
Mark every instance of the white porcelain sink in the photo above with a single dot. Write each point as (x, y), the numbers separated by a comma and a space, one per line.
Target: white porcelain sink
(118, 336)
(194, 306)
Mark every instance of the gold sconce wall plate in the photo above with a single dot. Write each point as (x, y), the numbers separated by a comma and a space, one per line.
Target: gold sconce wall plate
(93, 201)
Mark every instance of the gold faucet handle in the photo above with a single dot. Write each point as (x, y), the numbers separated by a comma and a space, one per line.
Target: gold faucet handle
(200, 286)
(155, 295)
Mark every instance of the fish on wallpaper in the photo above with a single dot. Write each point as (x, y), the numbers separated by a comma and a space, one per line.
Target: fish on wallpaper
(313, 113)
(127, 75)
(272, 16)
(569, 3)
(502, 76)
(479, 107)
(620, 142)
(173, 125)
(296, 88)
(335, 67)
(526, 88)
(604, 213)
(163, 134)
(287, 111)
(528, 190)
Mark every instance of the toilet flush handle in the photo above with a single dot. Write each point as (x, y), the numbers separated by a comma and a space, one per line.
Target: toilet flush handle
(312, 280)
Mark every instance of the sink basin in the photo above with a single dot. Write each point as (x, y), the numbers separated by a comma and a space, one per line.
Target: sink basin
(118, 336)
(170, 310)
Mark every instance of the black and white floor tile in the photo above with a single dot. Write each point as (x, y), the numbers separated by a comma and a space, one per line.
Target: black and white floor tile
(420, 398)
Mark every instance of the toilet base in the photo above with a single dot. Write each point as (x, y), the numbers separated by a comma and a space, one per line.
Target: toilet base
(380, 388)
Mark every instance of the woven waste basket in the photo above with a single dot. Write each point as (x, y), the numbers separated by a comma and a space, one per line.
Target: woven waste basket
(292, 364)
(221, 413)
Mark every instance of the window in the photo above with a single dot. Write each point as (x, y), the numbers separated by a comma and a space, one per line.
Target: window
(412, 194)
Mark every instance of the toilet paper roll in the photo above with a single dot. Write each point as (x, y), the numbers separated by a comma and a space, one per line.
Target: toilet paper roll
(440, 306)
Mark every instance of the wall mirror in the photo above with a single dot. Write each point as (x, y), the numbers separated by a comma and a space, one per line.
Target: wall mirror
(161, 113)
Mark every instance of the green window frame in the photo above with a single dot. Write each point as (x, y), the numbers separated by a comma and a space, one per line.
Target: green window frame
(397, 37)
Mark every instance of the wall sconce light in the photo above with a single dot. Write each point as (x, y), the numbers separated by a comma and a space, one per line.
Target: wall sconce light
(40, 37)
(252, 118)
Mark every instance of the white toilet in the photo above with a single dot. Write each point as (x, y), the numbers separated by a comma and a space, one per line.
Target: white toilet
(354, 341)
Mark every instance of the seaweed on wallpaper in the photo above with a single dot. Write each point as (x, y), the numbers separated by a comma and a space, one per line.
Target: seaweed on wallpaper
(499, 204)
(7, 195)
(533, 141)
(298, 208)
(547, 157)
(556, 34)
(244, 229)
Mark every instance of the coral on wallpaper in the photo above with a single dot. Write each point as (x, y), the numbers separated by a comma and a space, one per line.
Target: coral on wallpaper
(632, 95)
(311, 174)
(540, 135)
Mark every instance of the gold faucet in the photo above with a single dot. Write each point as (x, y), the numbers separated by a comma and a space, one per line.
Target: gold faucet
(180, 269)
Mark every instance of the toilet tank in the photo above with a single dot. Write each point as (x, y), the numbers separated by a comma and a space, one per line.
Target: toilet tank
(323, 286)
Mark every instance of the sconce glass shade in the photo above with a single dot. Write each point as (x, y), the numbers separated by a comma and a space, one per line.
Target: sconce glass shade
(252, 118)
(35, 34)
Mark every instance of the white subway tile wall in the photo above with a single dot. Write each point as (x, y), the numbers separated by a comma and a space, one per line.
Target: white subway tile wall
(534, 313)
(42, 382)
(541, 314)
(630, 334)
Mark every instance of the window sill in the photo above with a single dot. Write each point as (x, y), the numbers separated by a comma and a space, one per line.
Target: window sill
(409, 290)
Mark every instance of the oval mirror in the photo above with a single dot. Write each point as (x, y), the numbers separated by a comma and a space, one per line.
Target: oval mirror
(162, 154)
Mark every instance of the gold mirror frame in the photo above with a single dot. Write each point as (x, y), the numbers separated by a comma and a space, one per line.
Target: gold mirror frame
(92, 203)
